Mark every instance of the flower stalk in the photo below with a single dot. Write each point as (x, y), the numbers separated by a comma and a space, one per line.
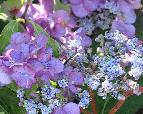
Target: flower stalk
(93, 102)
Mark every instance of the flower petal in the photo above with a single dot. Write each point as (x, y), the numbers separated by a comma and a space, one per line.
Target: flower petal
(23, 76)
(48, 5)
(128, 12)
(55, 65)
(4, 76)
(126, 29)
(76, 78)
(90, 5)
(75, 1)
(136, 4)
(71, 108)
(79, 10)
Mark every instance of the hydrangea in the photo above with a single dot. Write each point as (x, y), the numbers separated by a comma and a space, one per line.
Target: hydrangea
(111, 67)
(84, 99)
(20, 95)
(73, 77)
(44, 109)
(69, 108)
(5, 74)
(49, 92)
(92, 81)
(59, 82)
(63, 83)
(112, 60)
(82, 8)
(30, 106)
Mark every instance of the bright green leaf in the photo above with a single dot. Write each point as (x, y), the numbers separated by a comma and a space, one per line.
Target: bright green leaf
(61, 6)
(10, 28)
(38, 29)
(12, 4)
(53, 83)
(3, 16)
(54, 45)
(2, 113)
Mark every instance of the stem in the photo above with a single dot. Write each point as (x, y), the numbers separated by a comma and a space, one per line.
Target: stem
(121, 102)
(84, 111)
(93, 102)
(104, 105)
(117, 107)
(71, 58)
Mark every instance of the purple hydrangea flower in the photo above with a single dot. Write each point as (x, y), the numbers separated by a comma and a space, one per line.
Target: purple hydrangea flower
(82, 8)
(69, 108)
(51, 66)
(76, 40)
(63, 23)
(24, 76)
(126, 29)
(73, 79)
(4, 74)
(47, 5)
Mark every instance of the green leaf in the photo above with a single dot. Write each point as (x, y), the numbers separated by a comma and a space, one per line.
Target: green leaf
(12, 87)
(1, 1)
(12, 4)
(139, 25)
(132, 105)
(2, 113)
(51, 42)
(3, 16)
(10, 28)
(54, 45)
(9, 102)
(38, 29)
(53, 83)
(61, 6)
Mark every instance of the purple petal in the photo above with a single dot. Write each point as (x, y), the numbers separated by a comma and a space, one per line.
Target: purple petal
(86, 41)
(71, 108)
(35, 65)
(41, 41)
(55, 65)
(90, 5)
(79, 10)
(75, 1)
(46, 76)
(68, 70)
(24, 76)
(48, 5)
(126, 29)
(59, 31)
(25, 49)
(61, 16)
(136, 4)
(128, 12)
(30, 29)
(59, 110)
(18, 38)
(76, 78)
(73, 88)
(15, 55)
(4, 76)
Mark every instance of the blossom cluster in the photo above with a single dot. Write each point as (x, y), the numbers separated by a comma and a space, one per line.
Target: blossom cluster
(119, 65)
(112, 67)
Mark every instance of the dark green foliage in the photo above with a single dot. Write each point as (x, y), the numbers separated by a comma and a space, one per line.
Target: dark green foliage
(9, 102)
